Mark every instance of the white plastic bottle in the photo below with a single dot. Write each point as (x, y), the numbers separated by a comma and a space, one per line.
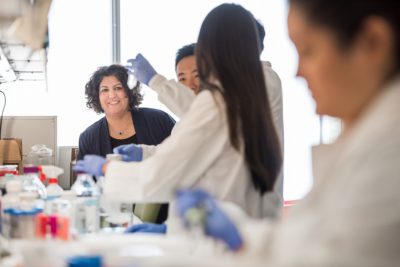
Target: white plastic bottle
(32, 183)
(87, 216)
(53, 189)
(28, 209)
(118, 214)
(11, 198)
(9, 201)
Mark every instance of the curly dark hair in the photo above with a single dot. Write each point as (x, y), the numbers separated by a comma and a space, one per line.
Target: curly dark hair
(121, 73)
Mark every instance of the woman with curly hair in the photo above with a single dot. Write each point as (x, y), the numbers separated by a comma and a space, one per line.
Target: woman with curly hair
(124, 122)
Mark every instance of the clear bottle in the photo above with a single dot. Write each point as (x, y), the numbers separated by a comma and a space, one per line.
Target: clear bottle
(87, 215)
(117, 214)
(53, 189)
(85, 186)
(9, 202)
(65, 210)
(32, 183)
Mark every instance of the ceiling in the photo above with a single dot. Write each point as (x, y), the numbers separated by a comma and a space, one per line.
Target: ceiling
(23, 24)
(27, 65)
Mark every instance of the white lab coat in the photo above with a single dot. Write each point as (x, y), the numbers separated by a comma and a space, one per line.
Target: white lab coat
(197, 154)
(351, 217)
(273, 201)
(178, 99)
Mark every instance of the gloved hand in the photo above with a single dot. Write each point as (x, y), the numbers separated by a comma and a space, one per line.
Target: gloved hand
(141, 69)
(91, 164)
(216, 223)
(129, 152)
(147, 228)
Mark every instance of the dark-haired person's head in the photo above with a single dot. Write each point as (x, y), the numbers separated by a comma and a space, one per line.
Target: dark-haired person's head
(228, 58)
(261, 34)
(348, 50)
(186, 67)
(108, 92)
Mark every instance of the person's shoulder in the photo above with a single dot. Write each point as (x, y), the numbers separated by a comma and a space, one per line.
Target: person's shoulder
(209, 98)
(267, 67)
(94, 128)
(270, 74)
(153, 114)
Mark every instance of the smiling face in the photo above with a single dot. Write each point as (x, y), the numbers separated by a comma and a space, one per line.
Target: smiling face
(186, 71)
(113, 98)
(342, 80)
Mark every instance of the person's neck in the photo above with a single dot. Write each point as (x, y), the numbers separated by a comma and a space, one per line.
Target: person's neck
(119, 119)
(120, 124)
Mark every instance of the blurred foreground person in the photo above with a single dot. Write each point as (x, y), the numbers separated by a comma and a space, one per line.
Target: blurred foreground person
(349, 53)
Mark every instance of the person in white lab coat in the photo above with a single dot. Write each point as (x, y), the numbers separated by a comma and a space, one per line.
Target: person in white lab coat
(226, 141)
(273, 200)
(349, 54)
(186, 67)
(178, 99)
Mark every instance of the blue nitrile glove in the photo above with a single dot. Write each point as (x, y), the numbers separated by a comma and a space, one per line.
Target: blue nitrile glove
(91, 164)
(129, 152)
(216, 222)
(141, 69)
(147, 228)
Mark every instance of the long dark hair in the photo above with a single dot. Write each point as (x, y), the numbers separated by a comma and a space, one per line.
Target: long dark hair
(228, 49)
(92, 87)
(346, 18)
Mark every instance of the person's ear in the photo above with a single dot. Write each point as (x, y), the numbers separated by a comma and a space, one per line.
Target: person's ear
(375, 43)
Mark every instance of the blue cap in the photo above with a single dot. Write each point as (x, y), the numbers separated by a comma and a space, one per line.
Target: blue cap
(19, 212)
(85, 261)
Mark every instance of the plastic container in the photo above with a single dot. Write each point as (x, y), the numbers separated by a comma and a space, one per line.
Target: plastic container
(9, 201)
(22, 223)
(39, 155)
(85, 186)
(87, 214)
(32, 183)
(29, 207)
(116, 214)
(7, 171)
(27, 201)
(53, 189)
(64, 208)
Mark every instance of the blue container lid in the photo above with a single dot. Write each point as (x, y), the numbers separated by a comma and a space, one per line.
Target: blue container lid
(85, 261)
(19, 212)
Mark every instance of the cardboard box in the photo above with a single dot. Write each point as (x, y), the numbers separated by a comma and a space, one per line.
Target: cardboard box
(11, 152)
